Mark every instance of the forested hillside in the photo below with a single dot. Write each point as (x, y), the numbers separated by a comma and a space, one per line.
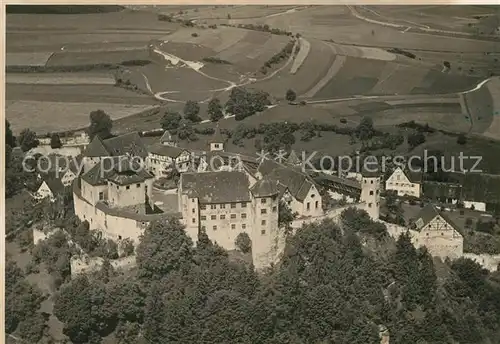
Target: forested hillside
(329, 289)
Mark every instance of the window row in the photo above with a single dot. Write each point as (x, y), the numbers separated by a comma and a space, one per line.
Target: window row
(223, 206)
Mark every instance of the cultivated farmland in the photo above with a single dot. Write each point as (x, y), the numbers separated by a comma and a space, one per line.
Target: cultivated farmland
(46, 116)
(61, 78)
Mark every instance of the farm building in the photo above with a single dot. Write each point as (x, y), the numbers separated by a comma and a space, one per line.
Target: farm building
(405, 183)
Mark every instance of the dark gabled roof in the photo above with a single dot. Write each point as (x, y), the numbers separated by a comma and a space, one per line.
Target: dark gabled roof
(170, 151)
(54, 184)
(481, 188)
(293, 159)
(281, 189)
(166, 137)
(297, 182)
(413, 177)
(217, 136)
(265, 188)
(96, 148)
(117, 169)
(434, 190)
(426, 215)
(216, 187)
(429, 212)
(126, 144)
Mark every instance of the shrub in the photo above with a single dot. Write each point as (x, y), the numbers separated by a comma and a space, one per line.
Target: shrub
(447, 64)
(243, 242)
(461, 139)
(194, 34)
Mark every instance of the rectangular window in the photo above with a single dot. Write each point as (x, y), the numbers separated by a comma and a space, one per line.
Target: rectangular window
(274, 208)
(194, 220)
(212, 206)
(203, 218)
(203, 207)
(223, 206)
(233, 216)
(263, 222)
(138, 185)
(244, 216)
(243, 226)
(193, 211)
(204, 228)
(117, 187)
(213, 217)
(101, 196)
(317, 204)
(215, 228)
(223, 217)
(233, 205)
(243, 205)
(263, 211)
(371, 192)
(369, 205)
(308, 205)
(263, 232)
(233, 226)
(263, 200)
(192, 200)
(128, 187)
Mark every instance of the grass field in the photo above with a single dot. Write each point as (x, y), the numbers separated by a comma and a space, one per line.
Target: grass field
(46, 116)
(60, 78)
(484, 108)
(359, 76)
(27, 59)
(76, 93)
(64, 58)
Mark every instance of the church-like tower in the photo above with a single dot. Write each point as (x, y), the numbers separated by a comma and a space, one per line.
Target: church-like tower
(370, 193)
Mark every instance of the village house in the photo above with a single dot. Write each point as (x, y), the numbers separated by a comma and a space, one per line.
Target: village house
(64, 168)
(298, 189)
(162, 159)
(126, 145)
(404, 183)
(217, 141)
(167, 139)
(51, 188)
(438, 233)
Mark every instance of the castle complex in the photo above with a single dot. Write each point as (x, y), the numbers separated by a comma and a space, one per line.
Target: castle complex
(225, 194)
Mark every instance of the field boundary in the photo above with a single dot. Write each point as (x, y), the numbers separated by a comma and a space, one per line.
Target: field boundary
(305, 48)
(336, 66)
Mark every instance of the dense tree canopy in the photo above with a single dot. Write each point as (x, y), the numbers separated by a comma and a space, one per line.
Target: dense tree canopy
(27, 140)
(191, 111)
(100, 124)
(171, 120)
(215, 110)
(329, 288)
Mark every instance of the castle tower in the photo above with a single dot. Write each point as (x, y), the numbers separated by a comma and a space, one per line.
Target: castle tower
(370, 193)
(217, 141)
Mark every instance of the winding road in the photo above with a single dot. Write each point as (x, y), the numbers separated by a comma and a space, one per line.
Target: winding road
(197, 67)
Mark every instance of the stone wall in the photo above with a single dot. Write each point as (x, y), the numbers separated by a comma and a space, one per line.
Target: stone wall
(112, 226)
(86, 264)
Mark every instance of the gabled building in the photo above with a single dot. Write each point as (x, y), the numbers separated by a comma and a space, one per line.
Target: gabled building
(126, 145)
(301, 194)
(438, 233)
(64, 168)
(162, 159)
(51, 188)
(120, 183)
(405, 183)
(167, 139)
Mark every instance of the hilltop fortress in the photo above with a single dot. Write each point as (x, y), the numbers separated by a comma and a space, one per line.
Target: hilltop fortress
(226, 194)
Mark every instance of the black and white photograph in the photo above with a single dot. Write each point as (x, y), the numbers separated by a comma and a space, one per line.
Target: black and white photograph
(252, 174)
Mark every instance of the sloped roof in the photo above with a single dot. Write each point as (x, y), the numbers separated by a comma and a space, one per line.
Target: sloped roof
(126, 144)
(293, 159)
(119, 170)
(413, 177)
(429, 212)
(170, 151)
(265, 188)
(217, 137)
(49, 164)
(216, 187)
(96, 148)
(54, 184)
(297, 182)
(166, 137)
